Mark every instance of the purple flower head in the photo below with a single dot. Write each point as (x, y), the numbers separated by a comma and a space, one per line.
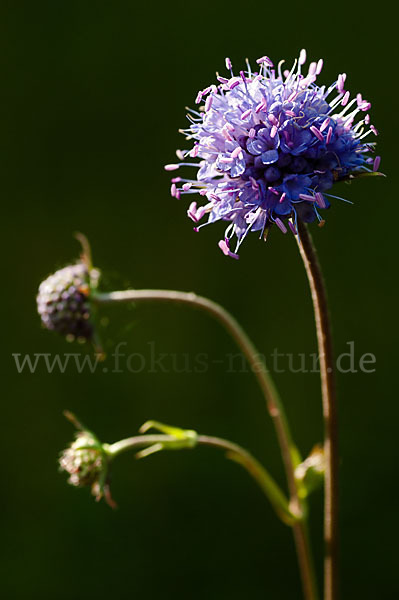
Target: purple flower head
(270, 144)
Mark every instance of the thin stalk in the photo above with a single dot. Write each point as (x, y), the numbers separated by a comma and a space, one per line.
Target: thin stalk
(267, 386)
(324, 340)
(233, 452)
(275, 408)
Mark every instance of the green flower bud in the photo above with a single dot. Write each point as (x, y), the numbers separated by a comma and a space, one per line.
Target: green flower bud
(86, 461)
(83, 460)
(310, 473)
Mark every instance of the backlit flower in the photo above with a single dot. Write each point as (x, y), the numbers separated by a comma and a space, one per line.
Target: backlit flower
(268, 145)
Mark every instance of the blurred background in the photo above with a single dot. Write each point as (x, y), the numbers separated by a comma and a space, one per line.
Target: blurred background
(92, 96)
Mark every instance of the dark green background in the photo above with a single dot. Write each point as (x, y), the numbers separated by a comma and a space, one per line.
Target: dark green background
(92, 95)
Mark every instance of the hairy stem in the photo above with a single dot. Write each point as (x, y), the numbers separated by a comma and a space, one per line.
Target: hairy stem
(324, 339)
(275, 408)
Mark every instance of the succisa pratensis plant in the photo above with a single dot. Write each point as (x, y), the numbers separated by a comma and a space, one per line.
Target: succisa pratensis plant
(268, 144)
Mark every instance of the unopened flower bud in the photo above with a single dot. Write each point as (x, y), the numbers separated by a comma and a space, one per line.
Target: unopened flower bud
(310, 473)
(63, 301)
(86, 461)
(83, 460)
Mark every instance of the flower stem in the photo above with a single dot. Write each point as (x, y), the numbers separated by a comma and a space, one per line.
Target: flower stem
(270, 393)
(233, 452)
(324, 339)
(274, 405)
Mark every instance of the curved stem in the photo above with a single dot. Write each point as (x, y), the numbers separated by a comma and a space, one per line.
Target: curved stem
(275, 408)
(267, 386)
(324, 339)
(300, 527)
(233, 452)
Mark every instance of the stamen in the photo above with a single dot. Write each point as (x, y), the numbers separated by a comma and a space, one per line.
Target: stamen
(320, 200)
(234, 84)
(208, 103)
(319, 66)
(302, 57)
(246, 114)
(280, 225)
(236, 152)
(338, 198)
(177, 166)
(345, 99)
(224, 246)
(317, 133)
(340, 83)
(265, 60)
(248, 67)
(272, 119)
(279, 68)
(376, 164)
(312, 69)
(325, 124)
(365, 106)
(262, 106)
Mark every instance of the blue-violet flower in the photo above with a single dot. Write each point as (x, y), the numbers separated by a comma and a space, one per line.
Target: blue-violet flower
(271, 143)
